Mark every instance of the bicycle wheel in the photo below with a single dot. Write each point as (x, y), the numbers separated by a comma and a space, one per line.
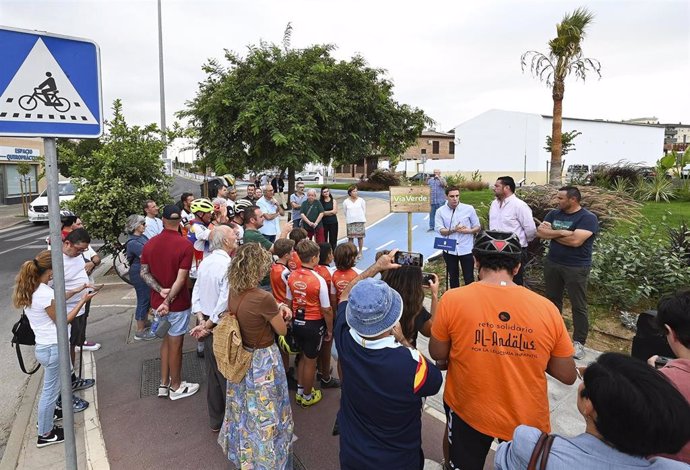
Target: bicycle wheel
(62, 105)
(28, 102)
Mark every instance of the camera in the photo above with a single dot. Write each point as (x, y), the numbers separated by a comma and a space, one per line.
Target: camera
(427, 278)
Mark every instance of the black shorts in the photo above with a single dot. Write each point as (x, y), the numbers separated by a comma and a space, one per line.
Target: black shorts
(467, 447)
(309, 336)
(78, 331)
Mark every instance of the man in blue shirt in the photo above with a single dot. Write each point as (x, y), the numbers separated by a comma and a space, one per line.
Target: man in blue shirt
(571, 229)
(384, 382)
(438, 196)
(459, 222)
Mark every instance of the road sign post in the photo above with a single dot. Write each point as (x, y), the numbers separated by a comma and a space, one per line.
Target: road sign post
(50, 87)
(410, 199)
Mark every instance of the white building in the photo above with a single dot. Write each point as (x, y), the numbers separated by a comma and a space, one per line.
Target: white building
(512, 143)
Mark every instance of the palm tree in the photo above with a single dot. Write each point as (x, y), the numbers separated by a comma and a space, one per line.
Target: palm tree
(564, 58)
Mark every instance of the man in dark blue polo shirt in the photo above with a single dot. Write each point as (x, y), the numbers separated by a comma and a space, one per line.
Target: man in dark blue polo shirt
(571, 229)
(383, 384)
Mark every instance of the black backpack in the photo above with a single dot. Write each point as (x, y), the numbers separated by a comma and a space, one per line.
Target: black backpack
(23, 334)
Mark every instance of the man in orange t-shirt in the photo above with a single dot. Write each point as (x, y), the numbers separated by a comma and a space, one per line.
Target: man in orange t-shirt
(313, 319)
(499, 339)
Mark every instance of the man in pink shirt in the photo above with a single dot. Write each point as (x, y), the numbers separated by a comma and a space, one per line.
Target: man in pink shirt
(510, 214)
(673, 318)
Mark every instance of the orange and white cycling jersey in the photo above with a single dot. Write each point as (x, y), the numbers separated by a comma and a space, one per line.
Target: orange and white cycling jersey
(294, 263)
(340, 280)
(279, 277)
(325, 273)
(308, 293)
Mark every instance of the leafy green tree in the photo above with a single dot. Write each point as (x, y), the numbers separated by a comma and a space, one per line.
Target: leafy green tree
(118, 177)
(567, 143)
(564, 57)
(279, 107)
(71, 151)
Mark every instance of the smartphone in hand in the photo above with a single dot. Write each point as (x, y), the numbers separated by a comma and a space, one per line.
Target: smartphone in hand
(408, 258)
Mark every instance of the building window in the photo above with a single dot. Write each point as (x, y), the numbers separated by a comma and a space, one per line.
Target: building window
(451, 147)
(423, 151)
(12, 184)
(434, 147)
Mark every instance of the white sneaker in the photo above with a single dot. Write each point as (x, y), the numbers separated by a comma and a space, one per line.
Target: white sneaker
(89, 346)
(185, 390)
(163, 391)
(579, 350)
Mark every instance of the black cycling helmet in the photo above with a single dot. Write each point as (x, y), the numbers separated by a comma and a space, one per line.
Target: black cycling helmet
(497, 243)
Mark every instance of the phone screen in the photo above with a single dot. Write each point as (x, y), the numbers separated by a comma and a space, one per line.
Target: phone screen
(407, 258)
(427, 278)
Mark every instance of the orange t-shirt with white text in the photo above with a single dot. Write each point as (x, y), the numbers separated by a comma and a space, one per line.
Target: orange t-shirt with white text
(502, 338)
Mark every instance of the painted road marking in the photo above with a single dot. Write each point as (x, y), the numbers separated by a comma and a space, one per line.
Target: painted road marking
(415, 227)
(384, 245)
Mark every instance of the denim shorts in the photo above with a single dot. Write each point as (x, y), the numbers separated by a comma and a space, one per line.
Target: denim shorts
(179, 321)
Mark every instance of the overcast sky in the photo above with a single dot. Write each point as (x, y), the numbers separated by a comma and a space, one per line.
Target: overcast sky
(453, 59)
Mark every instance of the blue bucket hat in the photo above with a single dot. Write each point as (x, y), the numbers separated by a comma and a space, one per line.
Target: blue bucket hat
(373, 307)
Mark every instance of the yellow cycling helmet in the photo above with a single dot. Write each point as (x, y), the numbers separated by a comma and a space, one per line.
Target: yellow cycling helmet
(201, 205)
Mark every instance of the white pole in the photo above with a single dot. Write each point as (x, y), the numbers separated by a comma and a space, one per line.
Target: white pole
(161, 76)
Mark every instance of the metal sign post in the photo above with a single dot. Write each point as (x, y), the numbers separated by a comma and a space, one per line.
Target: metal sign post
(50, 86)
(60, 306)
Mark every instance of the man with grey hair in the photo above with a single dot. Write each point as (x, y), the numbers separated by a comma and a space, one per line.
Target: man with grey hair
(272, 212)
(209, 299)
(437, 185)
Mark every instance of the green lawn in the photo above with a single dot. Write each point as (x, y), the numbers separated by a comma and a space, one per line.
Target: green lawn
(658, 213)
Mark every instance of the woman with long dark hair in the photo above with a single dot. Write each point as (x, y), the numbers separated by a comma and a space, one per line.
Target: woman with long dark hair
(330, 217)
(408, 281)
(260, 402)
(32, 293)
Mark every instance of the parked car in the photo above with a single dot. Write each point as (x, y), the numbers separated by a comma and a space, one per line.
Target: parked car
(308, 176)
(685, 172)
(421, 177)
(38, 209)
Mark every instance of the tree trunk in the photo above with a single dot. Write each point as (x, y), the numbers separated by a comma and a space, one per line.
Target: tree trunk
(556, 172)
(291, 189)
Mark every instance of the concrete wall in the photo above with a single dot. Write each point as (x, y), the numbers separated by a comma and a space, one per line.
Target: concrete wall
(511, 143)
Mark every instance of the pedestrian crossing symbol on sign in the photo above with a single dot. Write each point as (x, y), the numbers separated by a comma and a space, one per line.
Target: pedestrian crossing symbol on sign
(49, 86)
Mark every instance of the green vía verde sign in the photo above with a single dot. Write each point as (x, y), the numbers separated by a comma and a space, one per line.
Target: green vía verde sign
(410, 199)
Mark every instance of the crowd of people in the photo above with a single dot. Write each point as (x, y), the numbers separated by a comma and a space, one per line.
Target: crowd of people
(300, 302)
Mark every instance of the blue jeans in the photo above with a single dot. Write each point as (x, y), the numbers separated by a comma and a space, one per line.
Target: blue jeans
(143, 293)
(47, 356)
(432, 215)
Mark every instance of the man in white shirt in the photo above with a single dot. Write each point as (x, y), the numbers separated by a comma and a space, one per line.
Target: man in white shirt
(209, 299)
(272, 212)
(154, 225)
(73, 247)
(508, 213)
(459, 222)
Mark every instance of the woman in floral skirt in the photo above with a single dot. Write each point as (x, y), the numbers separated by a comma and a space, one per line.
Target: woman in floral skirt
(257, 429)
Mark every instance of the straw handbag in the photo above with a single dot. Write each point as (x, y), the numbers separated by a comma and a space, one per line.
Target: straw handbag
(232, 357)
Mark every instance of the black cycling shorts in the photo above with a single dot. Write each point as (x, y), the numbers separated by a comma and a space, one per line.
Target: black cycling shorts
(78, 332)
(309, 336)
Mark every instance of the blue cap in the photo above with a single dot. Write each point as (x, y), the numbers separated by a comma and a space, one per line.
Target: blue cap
(373, 308)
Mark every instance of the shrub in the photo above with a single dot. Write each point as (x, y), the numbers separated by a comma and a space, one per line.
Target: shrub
(605, 175)
(630, 269)
(379, 180)
(609, 206)
(455, 180)
(473, 185)
(658, 189)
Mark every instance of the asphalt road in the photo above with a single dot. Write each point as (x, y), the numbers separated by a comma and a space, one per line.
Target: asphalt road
(17, 244)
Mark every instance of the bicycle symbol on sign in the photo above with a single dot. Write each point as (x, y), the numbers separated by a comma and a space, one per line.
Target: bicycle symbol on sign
(46, 92)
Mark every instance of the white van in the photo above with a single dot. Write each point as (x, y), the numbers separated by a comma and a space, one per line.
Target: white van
(38, 209)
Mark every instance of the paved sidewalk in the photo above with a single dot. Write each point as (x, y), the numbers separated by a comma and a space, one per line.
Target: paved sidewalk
(11, 215)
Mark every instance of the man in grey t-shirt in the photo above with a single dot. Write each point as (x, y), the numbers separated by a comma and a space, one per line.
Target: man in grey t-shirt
(296, 201)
